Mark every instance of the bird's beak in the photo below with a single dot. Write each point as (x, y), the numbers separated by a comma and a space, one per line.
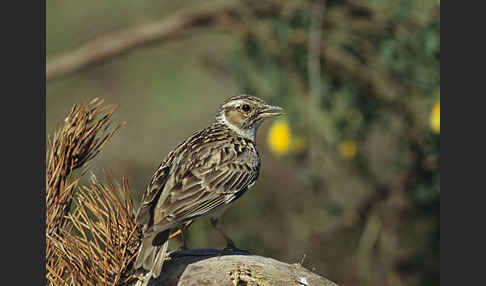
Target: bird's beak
(270, 111)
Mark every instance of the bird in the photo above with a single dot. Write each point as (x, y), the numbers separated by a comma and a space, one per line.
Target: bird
(201, 177)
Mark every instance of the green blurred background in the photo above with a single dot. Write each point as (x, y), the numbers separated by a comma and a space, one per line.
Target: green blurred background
(350, 177)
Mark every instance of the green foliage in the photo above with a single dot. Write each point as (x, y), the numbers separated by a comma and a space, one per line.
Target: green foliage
(380, 72)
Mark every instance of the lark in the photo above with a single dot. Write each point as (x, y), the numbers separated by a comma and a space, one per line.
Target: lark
(201, 177)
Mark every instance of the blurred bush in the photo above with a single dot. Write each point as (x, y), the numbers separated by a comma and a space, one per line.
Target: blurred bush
(350, 177)
(379, 78)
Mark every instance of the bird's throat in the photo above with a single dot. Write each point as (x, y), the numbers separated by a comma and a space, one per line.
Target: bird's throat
(235, 124)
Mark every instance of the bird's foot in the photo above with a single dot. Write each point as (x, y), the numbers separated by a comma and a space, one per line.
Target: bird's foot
(231, 248)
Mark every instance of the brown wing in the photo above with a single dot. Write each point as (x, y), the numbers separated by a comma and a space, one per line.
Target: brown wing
(204, 190)
(207, 170)
(152, 194)
(157, 184)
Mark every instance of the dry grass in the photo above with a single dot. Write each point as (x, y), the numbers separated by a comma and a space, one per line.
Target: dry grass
(91, 235)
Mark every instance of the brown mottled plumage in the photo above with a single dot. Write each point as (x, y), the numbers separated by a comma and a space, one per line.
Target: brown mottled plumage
(202, 176)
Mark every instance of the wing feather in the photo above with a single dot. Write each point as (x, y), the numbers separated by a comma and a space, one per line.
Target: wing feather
(210, 198)
(152, 194)
(199, 176)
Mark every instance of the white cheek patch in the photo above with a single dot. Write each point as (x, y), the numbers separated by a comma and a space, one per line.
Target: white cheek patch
(247, 133)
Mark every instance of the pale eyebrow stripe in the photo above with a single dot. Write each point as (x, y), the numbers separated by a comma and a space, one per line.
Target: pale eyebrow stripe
(234, 103)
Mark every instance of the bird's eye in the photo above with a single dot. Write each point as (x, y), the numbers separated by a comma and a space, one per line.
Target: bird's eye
(245, 107)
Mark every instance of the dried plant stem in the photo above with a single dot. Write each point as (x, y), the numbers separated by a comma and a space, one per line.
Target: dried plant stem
(91, 235)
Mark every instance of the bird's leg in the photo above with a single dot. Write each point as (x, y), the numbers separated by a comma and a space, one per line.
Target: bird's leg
(181, 231)
(184, 228)
(184, 242)
(230, 245)
(181, 237)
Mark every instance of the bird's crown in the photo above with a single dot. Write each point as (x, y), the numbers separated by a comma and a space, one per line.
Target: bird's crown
(245, 113)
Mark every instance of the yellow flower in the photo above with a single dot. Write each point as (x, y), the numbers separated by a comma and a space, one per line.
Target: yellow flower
(434, 120)
(279, 137)
(348, 149)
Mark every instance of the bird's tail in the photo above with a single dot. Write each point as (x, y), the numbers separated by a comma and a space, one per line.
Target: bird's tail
(159, 259)
(152, 253)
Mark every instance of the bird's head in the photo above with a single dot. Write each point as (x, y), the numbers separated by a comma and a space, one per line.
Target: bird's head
(245, 113)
